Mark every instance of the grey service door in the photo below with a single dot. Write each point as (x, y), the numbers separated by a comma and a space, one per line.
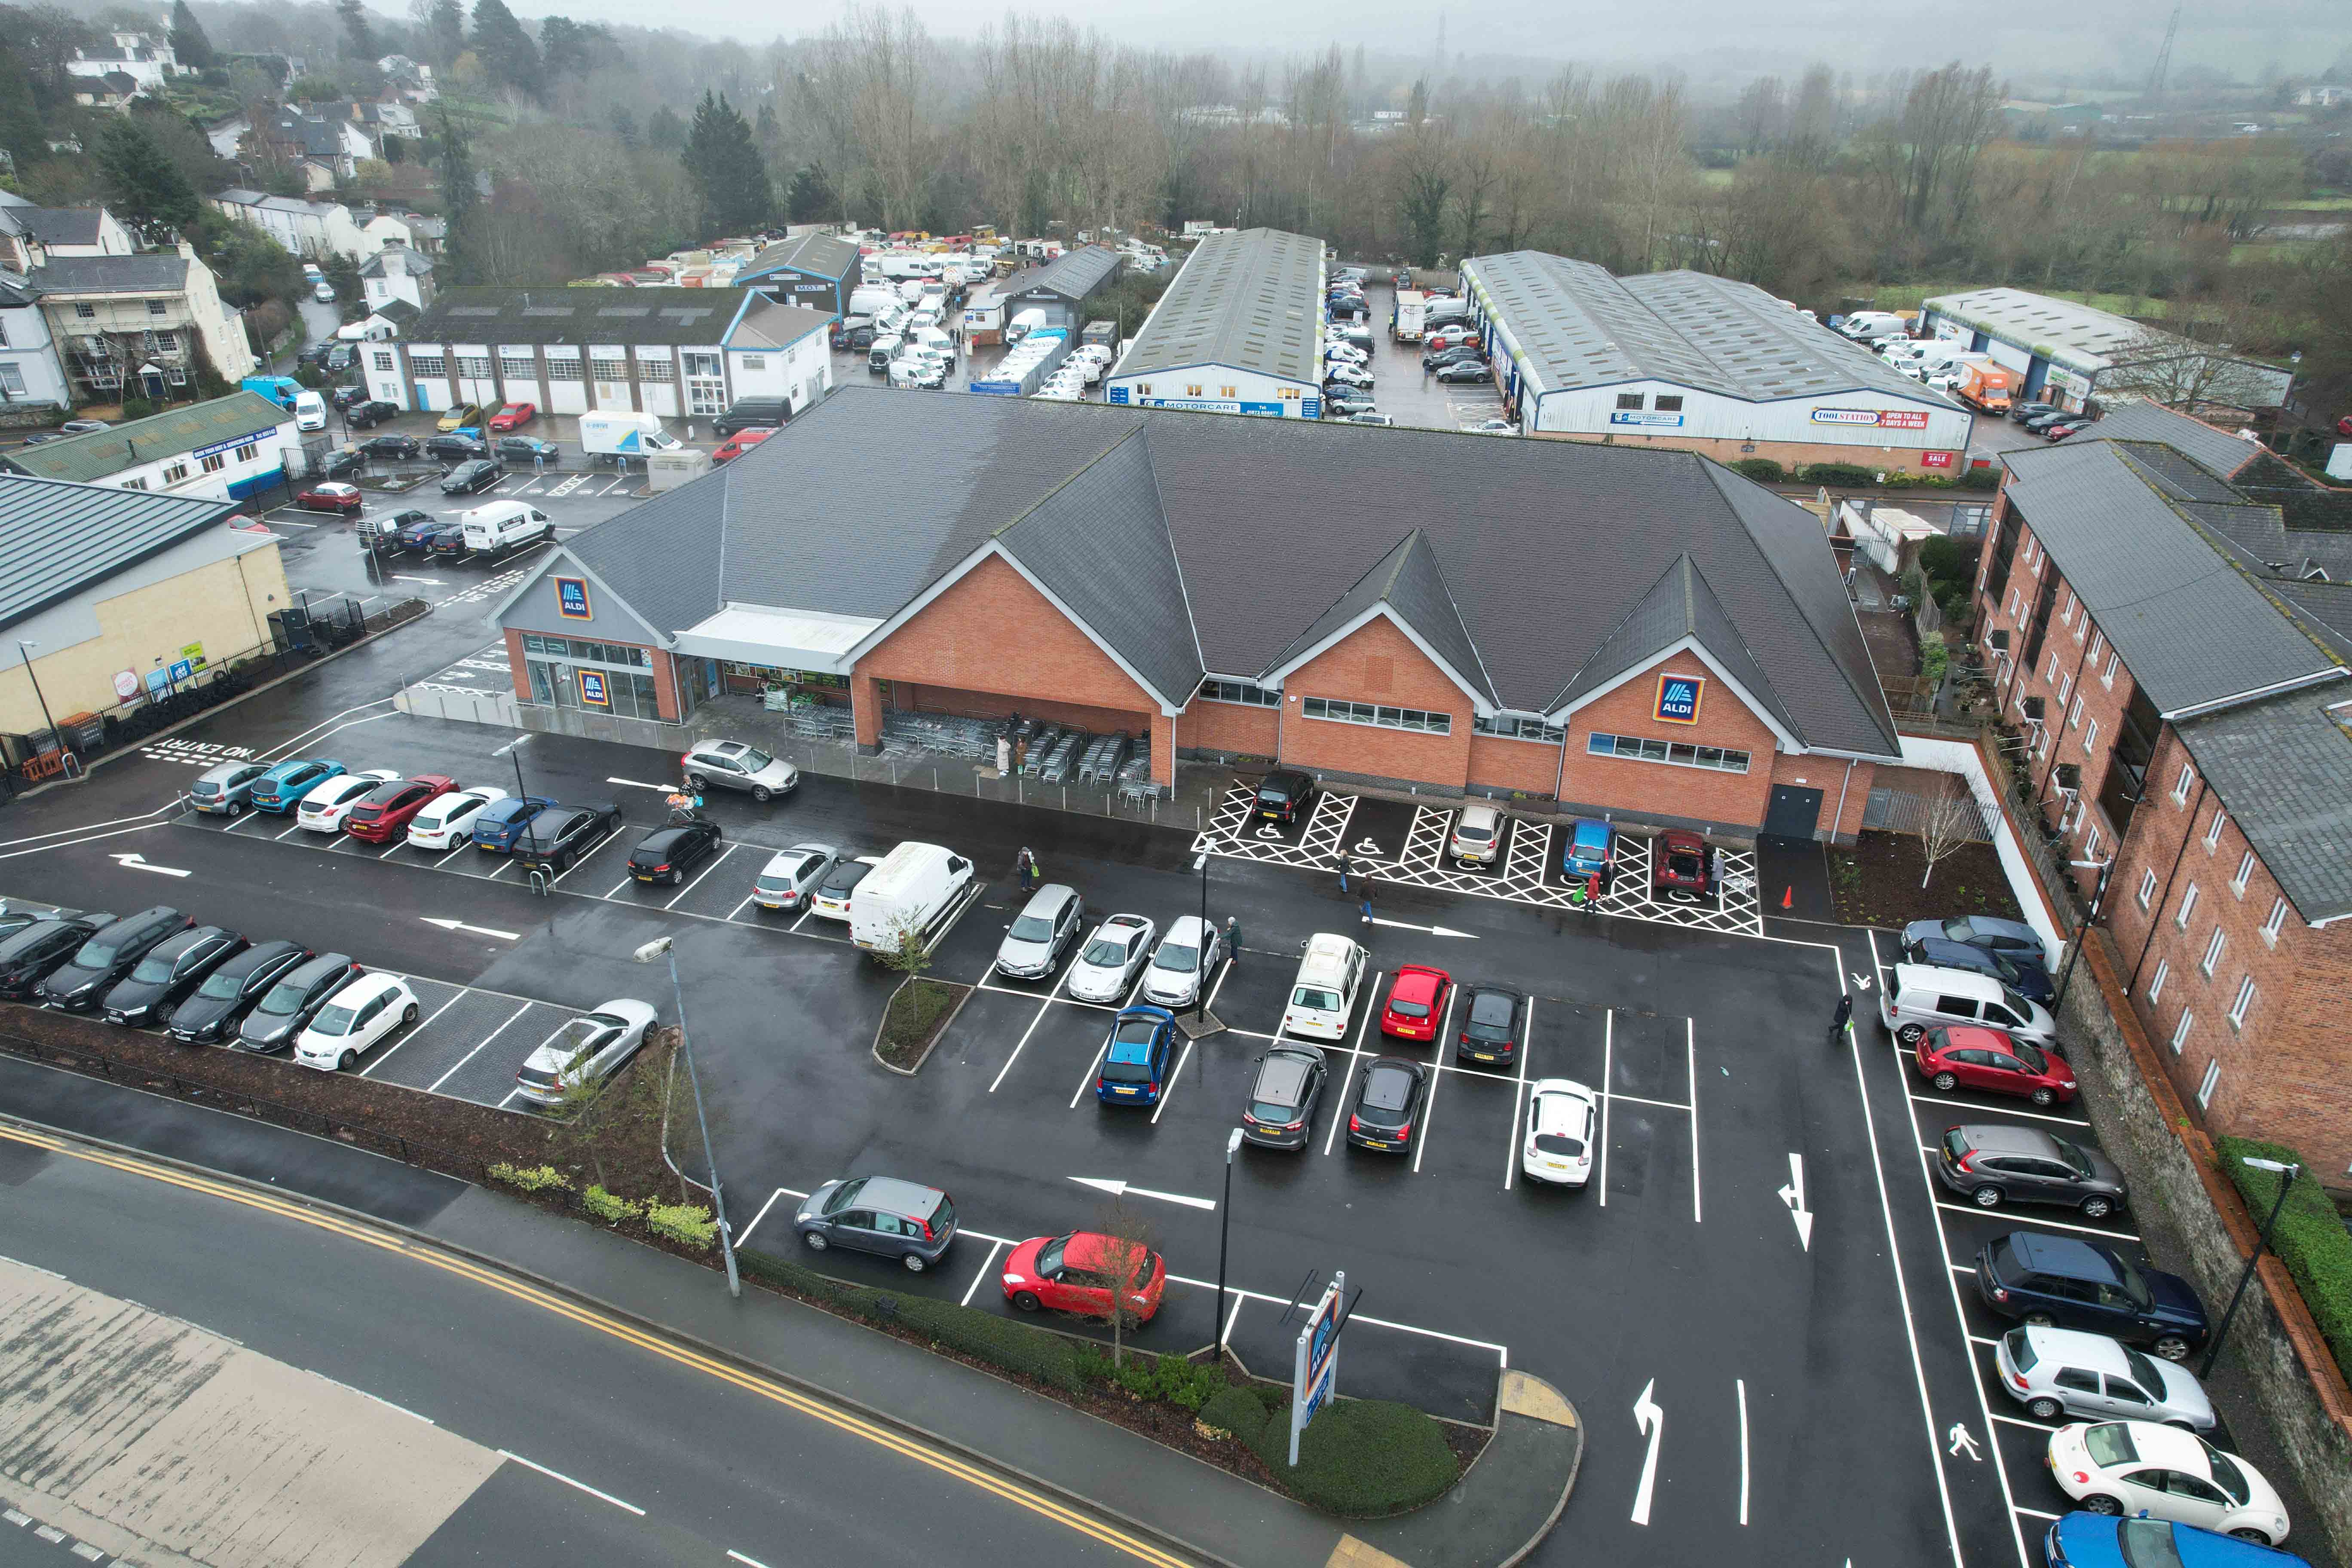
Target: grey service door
(1794, 813)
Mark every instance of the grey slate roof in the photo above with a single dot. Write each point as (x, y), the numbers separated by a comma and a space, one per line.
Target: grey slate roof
(2217, 451)
(1252, 299)
(1409, 580)
(1074, 275)
(817, 255)
(100, 453)
(16, 290)
(1540, 547)
(631, 316)
(59, 538)
(1679, 604)
(60, 225)
(2283, 766)
(2190, 625)
(414, 263)
(163, 273)
(770, 326)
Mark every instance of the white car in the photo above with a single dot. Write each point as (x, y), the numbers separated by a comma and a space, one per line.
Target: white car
(1562, 1117)
(791, 876)
(830, 899)
(1344, 353)
(591, 1048)
(2137, 1466)
(355, 1020)
(1106, 965)
(1191, 951)
(448, 821)
(326, 804)
(1323, 996)
(1347, 375)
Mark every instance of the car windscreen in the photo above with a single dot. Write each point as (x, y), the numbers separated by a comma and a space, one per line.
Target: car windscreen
(221, 985)
(334, 1019)
(754, 761)
(2033, 1059)
(2074, 1156)
(1107, 952)
(2144, 1372)
(1028, 928)
(154, 970)
(2227, 1474)
(1049, 1257)
(2147, 1543)
(285, 996)
(1181, 958)
(843, 1195)
(2109, 1444)
(1316, 998)
(97, 952)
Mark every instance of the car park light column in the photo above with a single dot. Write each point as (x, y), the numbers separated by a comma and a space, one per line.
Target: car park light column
(1224, 1229)
(514, 749)
(665, 947)
(2286, 1175)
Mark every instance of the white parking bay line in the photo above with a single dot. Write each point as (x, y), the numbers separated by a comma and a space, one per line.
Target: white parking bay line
(1519, 1099)
(1042, 1008)
(1437, 1059)
(1093, 1067)
(745, 1238)
(1690, 1058)
(985, 1264)
(412, 1033)
(1608, 1055)
(721, 861)
(1168, 1093)
(567, 1481)
(1950, 1105)
(484, 1040)
(2040, 1222)
(1355, 1054)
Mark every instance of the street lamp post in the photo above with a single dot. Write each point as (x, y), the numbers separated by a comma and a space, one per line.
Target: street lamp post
(514, 749)
(2089, 918)
(1224, 1228)
(50, 723)
(2287, 1176)
(1201, 953)
(664, 947)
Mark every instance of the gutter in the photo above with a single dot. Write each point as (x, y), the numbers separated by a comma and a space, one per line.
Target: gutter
(2198, 710)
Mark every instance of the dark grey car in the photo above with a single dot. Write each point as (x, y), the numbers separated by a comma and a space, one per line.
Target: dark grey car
(883, 1214)
(1281, 1109)
(1992, 1164)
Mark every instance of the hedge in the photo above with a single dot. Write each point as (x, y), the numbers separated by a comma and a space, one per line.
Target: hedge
(1362, 1459)
(2310, 1239)
(1836, 474)
(1763, 471)
(1013, 1346)
(1237, 1410)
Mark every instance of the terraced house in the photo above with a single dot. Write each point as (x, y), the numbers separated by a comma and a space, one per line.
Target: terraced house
(2166, 611)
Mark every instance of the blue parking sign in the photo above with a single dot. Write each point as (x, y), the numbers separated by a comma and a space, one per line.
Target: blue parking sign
(1678, 697)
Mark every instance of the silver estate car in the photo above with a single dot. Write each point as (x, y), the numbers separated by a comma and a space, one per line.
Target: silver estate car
(227, 789)
(2064, 1374)
(1046, 924)
(732, 765)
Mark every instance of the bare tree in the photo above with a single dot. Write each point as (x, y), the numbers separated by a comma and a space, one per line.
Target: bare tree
(1125, 1265)
(1951, 821)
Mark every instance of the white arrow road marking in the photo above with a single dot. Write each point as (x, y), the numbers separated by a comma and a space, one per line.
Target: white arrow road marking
(633, 783)
(1115, 1188)
(1961, 1439)
(428, 582)
(1862, 983)
(477, 931)
(1433, 931)
(1794, 1195)
(1652, 1422)
(139, 863)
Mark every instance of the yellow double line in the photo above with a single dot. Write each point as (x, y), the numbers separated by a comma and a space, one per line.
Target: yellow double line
(881, 1437)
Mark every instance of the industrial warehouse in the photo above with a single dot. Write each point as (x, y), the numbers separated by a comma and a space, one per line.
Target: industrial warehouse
(2068, 352)
(1239, 331)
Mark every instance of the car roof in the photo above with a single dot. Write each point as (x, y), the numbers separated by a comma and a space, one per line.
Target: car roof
(2063, 1255)
(1975, 1038)
(2095, 1353)
(1588, 831)
(1998, 1137)
(1389, 1083)
(1184, 930)
(1417, 979)
(1960, 982)
(2171, 1447)
(324, 963)
(367, 984)
(1282, 1074)
(900, 1196)
(663, 837)
(1126, 925)
(1554, 1106)
(1480, 811)
(1049, 899)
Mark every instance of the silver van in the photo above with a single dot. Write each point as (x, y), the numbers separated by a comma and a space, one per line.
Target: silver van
(1917, 997)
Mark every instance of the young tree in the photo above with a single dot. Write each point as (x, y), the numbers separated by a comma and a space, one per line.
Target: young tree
(359, 37)
(149, 191)
(189, 45)
(727, 170)
(1125, 1268)
(1951, 821)
(350, 293)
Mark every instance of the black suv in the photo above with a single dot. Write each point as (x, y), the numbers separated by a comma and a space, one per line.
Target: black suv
(288, 1008)
(2074, 1284)
(750, 411)
(1281, 1109)
(557, 837)
(393, 446)
(1282, 795)
(670, 852)
(173, 968)
(111, 953)
(214, 1011)
(32, 952)
(365, 416)
(467, 479)
(528, 448)
(452, 447)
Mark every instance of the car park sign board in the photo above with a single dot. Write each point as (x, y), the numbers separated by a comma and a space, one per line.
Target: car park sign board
(1678, 697)
(571, 599)
(1315, 1366)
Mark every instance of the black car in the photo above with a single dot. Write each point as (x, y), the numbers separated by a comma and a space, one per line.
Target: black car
(112, 952)
(2019, 413)
(451, 447)
(391, 445)
(861, 340)
(287, 1008)
(527, 449)
(343, 397)
(220, 1002)
(344, 465)
(172, 969)
(2037, 423)
(560, 835)
(665, 853)
(449, 542)
(1993, 1163)
(1388, 1092)
(1281, 1109)
(26, 957)
(1282, 793)
(1467, 370)
(2029, 980)
(422, 528)
(366, 415)
(1460, 353)
(469, 478)
(13, 920)
(750, 411)
(2075, 1284)
(1490, 1025)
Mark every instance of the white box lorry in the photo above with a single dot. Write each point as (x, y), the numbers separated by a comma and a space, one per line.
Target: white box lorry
(918, 890)
(1411, 320)
(625, 436)
(503, 527)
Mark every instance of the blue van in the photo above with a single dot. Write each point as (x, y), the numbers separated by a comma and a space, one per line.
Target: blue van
(1591, 852)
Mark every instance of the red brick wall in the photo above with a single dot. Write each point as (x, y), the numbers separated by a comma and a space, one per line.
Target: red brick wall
(1662, 789)
(1830, 777)
(665, 685)
(1499, 762)
(521, 676)
(1376, 664)
(1227, 727)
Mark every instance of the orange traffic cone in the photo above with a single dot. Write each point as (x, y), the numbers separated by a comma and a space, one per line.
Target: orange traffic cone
(1788, 897)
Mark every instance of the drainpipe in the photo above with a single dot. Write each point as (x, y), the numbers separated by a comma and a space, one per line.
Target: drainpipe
(2164, 899)
(1843, 784)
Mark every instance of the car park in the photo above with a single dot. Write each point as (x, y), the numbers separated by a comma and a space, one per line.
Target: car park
(497, 529)
(513, 416)
(328, 803)
(403, 447)
(1468, 371)
(1107, 965)
(1046, 924)
(742, 441)
(791, 876)
(1562, 1117)
(1280, 1111)
(1417, 1002)
(465, 415)
(447, 822)
(832, 898)
(2058, 1373)
(27, 957)
(2075, 1284)
(107, 958)
(329, 496)
(2029, 981)
(668, 854)
(1678, 868)
(354, 1021)
(217, 1006)
(528, 449)
(456, 448)
(1958, 1055)
(381, 816)
(880, 1215)
(170, 971)
(2019, 413)
(732, 764)
(1993, 1163)
(1917, 999)
(1282, 793)
(1462, 353)
(1491, 1021)
(1477, 831)
(285, 1011)
(1388, 1095)
(1324, 994)
(2060, 431)
(1137, 1058)
(590, 1049)
(2087, 1539)
(469, 478)
(558, 837)
(421, 535)
(2144, 1469)
(498, 825)
(1182, 963)
(225, 790)
(1590, 853)
(1084, 1272)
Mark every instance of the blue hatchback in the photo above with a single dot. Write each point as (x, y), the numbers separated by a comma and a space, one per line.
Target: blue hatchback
(280, 788)
(2102, 1540)
(1136, 1060)
(1591, 852)
(498, 825)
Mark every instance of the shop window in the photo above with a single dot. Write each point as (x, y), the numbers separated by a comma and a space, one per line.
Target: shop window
(564, 367)
(657, 370)
(1229, 391)
(1378, 716)
(1676, 753)
(1215, 690)
(1519, 727)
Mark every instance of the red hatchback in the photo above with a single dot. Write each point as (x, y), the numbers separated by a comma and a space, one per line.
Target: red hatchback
(742, 441)
(329, 497)
(1078, 1273)
(1416, 1001)
(1964, 1057)
(1678, 867)
(514, 417)
(384, 812)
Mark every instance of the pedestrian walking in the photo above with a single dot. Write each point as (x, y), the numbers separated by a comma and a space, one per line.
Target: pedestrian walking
(1365, 886)
(1838, 1020)
(1346, 866)
(1233, 940)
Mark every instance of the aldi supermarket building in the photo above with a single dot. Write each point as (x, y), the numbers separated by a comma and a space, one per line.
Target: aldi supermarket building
(1598, 630)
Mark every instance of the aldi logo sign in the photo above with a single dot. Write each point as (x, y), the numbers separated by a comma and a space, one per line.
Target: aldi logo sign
(572, 598)
(1678, 697)
(593, 693)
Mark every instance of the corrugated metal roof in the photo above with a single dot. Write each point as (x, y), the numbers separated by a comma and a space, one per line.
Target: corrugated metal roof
(59, 538)
(1253, 301)
(1074, 275)
(103, 453)
(815, 255)
(631, 316)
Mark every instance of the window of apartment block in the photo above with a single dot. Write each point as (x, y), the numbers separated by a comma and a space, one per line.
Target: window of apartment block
(2188, 907)
(2156, 982)
(2213, 829)
(2212, 1078)
(2052, 673)
(2074, 719)
(2114, 660)
(2243, 1005)
(2091, 842)
(2098, 641)
(2213, 951)
(2065, 684)
(2277, 920)
(2146, 887)
(12, 381)
(2181, 786)
(2180, 1030)
(2090, 740)
(157, 308)
(2244, 874)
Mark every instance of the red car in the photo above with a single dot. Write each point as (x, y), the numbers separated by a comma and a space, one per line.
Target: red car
(742, 442)
(1072, 1274)
(383, 813)
(514, 417)
(2344, 425)
(1678, 864)
(1416, 1001)
(329, 497)
(1966, 1057)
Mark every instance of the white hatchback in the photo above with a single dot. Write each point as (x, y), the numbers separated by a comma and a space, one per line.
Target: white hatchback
(1560, 1120)
(448, 821)
(326, 803)
(2138, 1466)
(1108, 964)
(1324, 995)
(355, 1020)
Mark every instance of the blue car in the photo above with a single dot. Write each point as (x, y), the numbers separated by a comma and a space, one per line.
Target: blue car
(1591, 852)
(282, 786)
(498, 825)
(2104, 1540)
(2028, 979)
(1137, 1058)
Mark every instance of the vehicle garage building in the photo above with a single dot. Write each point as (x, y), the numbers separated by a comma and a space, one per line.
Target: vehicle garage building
(1698, 661)
(2069, 354)
(1699, 362)
(224, 449)
(1239, 331)
(816, 271)
(1061, 286)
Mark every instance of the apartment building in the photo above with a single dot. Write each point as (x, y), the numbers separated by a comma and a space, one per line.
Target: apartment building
(135, 325)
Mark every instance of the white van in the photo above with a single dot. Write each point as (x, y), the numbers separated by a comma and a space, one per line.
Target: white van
(1022, 324)
(1918, 997)
(868, 298)
(504, 525)
(1324, 996)
(934, 341)
(1435, 313)
(1869, 326)
(310, 411)
(919, 888)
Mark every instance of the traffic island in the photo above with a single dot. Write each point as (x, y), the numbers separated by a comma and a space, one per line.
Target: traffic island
(918, 1014)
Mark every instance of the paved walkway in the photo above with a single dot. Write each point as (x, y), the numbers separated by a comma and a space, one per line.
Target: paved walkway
(1507, 1502)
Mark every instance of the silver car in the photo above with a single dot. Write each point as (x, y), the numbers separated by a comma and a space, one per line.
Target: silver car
(1107, 965)
(1182, 958)
(590, 1049)
(732, 765)
(227, 789)
(1049, 923)
(1476, 833)
(790, 875)
(2061, 1374)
